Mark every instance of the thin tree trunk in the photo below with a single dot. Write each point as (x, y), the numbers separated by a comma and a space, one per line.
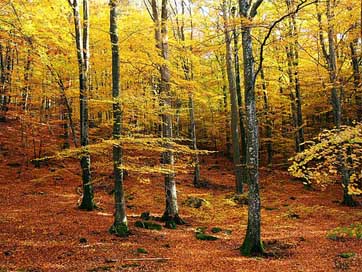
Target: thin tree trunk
(293, 66)
(356, 80)
(243, 149)
(170, 216)
(82, 55)
(120, 226)
(65, 102)
(269, 125)
(336, 102)
(188, 74)
(225, 104)
(26, 89)
(196, 162)
(234, 105)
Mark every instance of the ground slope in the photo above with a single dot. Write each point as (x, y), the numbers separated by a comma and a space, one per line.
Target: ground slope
(41, 228)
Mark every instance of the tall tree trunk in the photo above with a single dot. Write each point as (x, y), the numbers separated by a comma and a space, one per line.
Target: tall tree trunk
(244, 172)
(293, 68)
(188, 74)
(234, 104)
(82, 43)
(336, 102)
(170, 216)
(120, 226)
(252, 244)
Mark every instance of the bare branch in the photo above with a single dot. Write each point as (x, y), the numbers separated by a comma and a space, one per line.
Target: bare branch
(300, 6)
(255, 7)
(148, 9)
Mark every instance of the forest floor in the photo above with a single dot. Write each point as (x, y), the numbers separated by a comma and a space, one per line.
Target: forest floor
(41, 228)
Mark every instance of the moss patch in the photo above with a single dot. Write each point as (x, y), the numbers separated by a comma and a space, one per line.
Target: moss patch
(205, 237)
(148, 225)
(142, 250)
(195, 202)
(347, 255)
(120, 230)
(200, 235)
(216, 230)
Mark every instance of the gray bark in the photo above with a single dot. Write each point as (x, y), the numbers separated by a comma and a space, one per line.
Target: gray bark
(252, 244)
(188, 74)
(234, 104)
(120, 226)
(243, 148)
(170, 216)
(82, 56)
(336, 101)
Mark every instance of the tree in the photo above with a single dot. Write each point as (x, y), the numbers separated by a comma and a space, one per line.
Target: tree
(336, 99)
(234, 102)
(186, 64)
(82, 45)
(320, 162)
(171, 214)
(120, 226)
(252, 244)
(293, 72)
(243, 148)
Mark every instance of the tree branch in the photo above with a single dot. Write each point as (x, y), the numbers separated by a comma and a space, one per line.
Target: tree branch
(274, 24)
(255, 7)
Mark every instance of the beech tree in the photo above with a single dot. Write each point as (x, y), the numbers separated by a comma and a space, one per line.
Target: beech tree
(82, 45)
(233, 101)
(171, 214)
(120, 226)
(252, 244)
(337, 89)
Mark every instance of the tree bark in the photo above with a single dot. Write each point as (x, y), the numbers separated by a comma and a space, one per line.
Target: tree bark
(188, 74)
(120, 225)
(331, 59)
(243, 149)
(252, 244)
(293, 66)
(268, 122)
(170, 216)
(234, 104)
(82, 56)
